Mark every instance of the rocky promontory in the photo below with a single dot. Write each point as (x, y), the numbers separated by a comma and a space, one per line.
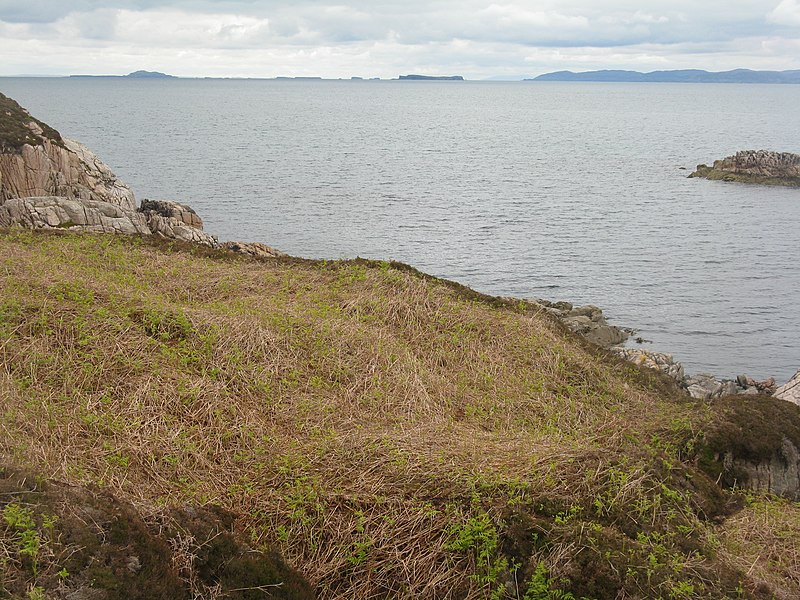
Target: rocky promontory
(755, 166)
(48, 181)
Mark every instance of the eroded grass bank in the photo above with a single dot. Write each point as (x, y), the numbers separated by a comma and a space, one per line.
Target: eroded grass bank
(393, 435)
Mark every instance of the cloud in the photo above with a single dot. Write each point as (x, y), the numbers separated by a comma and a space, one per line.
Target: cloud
(786, 13)
(386, 37)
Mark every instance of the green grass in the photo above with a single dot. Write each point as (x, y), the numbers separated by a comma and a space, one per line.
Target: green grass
(394, 435)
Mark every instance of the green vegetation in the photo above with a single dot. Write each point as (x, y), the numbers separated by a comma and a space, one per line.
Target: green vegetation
(15, 131)
(393, 435)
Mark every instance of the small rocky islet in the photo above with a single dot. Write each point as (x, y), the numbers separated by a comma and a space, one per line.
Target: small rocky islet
(762, 167)
(50, 183)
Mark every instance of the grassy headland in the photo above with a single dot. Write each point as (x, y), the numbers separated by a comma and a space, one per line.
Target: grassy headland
(394, 435)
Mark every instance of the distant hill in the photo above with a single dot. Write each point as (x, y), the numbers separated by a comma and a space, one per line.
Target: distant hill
(681, 76)
(149, 75)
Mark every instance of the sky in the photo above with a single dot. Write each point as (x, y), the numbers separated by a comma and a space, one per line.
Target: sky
(477, 39)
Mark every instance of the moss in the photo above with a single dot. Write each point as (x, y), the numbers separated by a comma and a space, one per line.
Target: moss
(752, 427)
(15, 131)
(103, 544)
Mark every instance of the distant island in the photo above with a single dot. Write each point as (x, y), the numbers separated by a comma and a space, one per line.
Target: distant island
(431, 78)
(150, 75)
(136, 75)
(679, 76)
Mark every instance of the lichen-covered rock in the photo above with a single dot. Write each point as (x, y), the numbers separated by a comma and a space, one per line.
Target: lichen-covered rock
(176, 221)
(587, 321)
(170, 209)
(659, 361)
(790, 391)
(755, 166)
(253, 249)
(53, 212)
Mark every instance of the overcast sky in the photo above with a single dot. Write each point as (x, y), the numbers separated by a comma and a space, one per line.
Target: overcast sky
(385, 38)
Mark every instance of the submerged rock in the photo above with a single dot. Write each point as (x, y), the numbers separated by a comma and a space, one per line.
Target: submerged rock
(755, 166)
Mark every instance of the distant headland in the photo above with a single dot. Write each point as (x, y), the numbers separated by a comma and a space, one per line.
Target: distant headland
(680, 76)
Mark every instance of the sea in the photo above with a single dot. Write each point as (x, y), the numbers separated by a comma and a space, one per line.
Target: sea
(562, 191)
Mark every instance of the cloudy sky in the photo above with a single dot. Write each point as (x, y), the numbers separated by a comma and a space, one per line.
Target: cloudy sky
(384, 38)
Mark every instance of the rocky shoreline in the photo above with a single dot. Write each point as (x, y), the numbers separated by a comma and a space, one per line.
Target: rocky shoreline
(50, 182)
(589, 322)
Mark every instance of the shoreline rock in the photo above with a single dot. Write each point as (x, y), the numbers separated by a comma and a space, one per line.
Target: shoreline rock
(754, 166)
(50, 182)
(589, 322)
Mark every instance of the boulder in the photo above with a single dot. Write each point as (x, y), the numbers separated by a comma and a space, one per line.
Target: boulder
(654, 360)
(176, 221)
(789, 391)
(253, 249)
(589, 322)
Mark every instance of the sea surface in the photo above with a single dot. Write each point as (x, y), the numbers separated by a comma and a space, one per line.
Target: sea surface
(573, 191)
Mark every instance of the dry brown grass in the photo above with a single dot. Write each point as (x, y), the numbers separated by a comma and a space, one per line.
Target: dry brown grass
(763, 540)
(353, 414)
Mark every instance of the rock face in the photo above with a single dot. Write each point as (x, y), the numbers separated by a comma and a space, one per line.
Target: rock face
(753, 444)
(50, 182)
(755, 166)
(790, 391)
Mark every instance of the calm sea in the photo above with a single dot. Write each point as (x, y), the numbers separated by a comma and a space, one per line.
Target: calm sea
(558, 190)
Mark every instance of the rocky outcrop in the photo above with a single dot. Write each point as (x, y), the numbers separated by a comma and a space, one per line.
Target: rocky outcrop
(253, 249)
(755, 166)
(753, 443)
(67, 169)
(659, 361)
(790, 391)
(176, 221)
(587, 321)
(50, 182)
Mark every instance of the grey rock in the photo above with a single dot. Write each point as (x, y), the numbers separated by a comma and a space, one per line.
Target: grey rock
(253, 249)
(654, 360)
(779, 475)
(790, 391)
(53, 212)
